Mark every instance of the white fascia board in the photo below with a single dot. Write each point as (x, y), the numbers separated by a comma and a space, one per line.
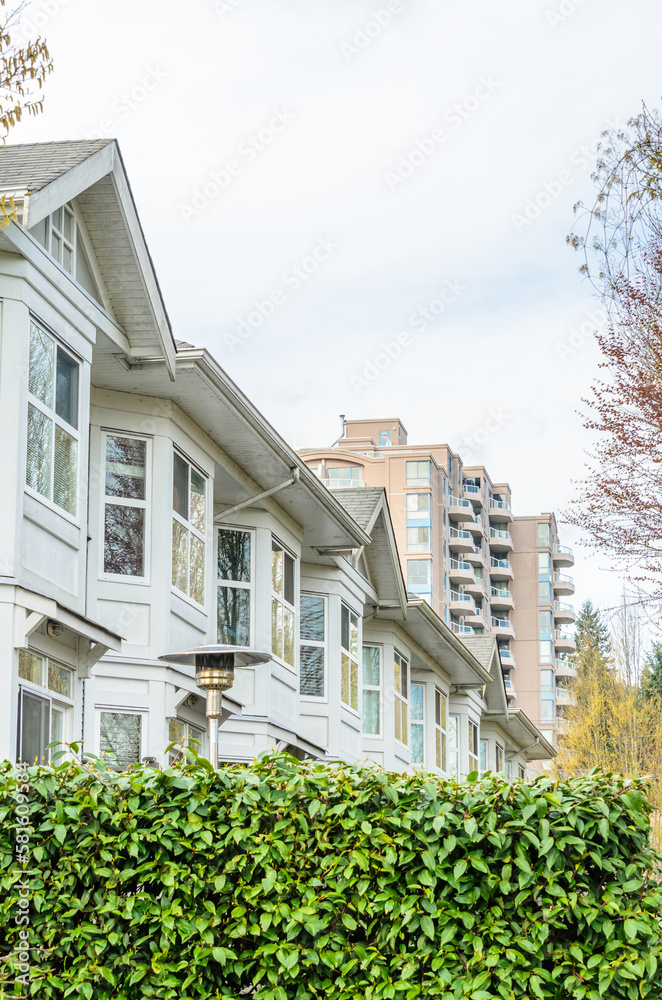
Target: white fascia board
(69, 185)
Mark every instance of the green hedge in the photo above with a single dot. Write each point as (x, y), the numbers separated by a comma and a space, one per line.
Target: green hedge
(307, 880)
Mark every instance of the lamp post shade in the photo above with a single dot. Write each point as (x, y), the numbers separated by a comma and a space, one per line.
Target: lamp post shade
(215, 665)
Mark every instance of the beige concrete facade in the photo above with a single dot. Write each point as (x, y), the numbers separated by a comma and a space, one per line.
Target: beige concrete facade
(462, 549)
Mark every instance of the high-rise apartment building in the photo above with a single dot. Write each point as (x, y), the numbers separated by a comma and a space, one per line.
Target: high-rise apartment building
(482, 569)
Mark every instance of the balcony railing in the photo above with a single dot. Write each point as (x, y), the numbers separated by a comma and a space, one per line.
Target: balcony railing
(500, 622)
(343, 484)
(460, 533)
(563, 578)
(462, 629)
(495, 592)
(499, 533)
(465, 598)
(562, 606)
(470, 488)
(505, 654)
(500, 563)
(461, 564)
(458, 502)
(559, 634)
(499, 505)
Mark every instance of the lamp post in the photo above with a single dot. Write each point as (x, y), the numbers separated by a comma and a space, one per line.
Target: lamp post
(214, 674)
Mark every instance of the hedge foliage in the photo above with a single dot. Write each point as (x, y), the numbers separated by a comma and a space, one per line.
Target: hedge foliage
(287, 880)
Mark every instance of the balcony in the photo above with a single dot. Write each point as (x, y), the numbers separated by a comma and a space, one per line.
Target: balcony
(564, 643)
(459, 509)
(501, 599)
(500, 569)
(462, 629)
(461, 572)
(565, 697)
(472, 493)
(476, 588)
(475, 526)
(501, 628)
(563, 556)
(476, 618)
(507, 658)
(564, 669)
(343, 484)
(460, 540)
(500, 541)
(563, 584)
(510, 688)
(462, 604)
(563, 613)
(500, 511)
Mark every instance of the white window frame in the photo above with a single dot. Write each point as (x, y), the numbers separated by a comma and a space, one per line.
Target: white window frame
(51, 415)
(500, 756)
(440, 730)
(473, 745)
(454, 748)
(355, 664)
(280, 598)
(418, 722)
(145, 505)
(187, 737)
(316, 644)
(236, 584)
(379, 688)
(418, 481)
(483, 748)
(400, 700)
(122, 710)
(192, 530)
(55, 700)
(419, 546)
(52, 231)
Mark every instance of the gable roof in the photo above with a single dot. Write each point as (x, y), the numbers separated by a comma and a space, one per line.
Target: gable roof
(43, 176)
(361, 503)
(31, 166)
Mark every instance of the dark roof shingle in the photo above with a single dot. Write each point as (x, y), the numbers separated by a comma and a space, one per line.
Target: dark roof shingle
(360, 502)
(34, 165)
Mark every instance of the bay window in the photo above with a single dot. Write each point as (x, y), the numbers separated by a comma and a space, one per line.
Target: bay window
(121, 737)
(189, 502)
(52, 432)
(454, 746)
(372, 690)
(440, 728)
(473, 745)
(45, 707)
(283, 613)
(125, 505)
(312, 646)
(349, 658)
(417, 723)
(401, 697)
(234, 587)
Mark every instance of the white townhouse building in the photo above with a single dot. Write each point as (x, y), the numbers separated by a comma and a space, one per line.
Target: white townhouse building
(148, 507)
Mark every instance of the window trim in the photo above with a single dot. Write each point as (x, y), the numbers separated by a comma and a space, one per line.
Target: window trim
(235, 584)
(324, 645)
(373, 687)
(72, 244)
(273, 596)
(146, 505)
(404, 701)
(61, 701)
(440, 696)
(75, 432)
(473, 754)
(203, 536)
(358, 662)
(422, 722)
(122, 710)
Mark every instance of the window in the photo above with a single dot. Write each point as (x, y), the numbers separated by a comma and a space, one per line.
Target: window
(312, 647)
(440, 733)
(189, 521)
(547, 681)
(52, 439)
(120, 737)
(454, 746)
(473, 745)
(45, 705)
(372, 690)
(544, 566)
(418, 473)
(419, 576)
(63, 237)
(418, 539)
(546, 651)
(543, 534)
(482, 756)
(500, 758)
(418, 506)
(283, 614)
(546, 710)
(544, 593)
(125, 505)
(417, 714)
(349, 658)
(545, 623)
(401, 697)
(234, 587)
(549, 735)
(521, 772)
(186, 734)
(384, 438)
(347, 475)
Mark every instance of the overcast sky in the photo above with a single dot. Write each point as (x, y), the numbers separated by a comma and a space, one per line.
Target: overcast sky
(320, 178)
